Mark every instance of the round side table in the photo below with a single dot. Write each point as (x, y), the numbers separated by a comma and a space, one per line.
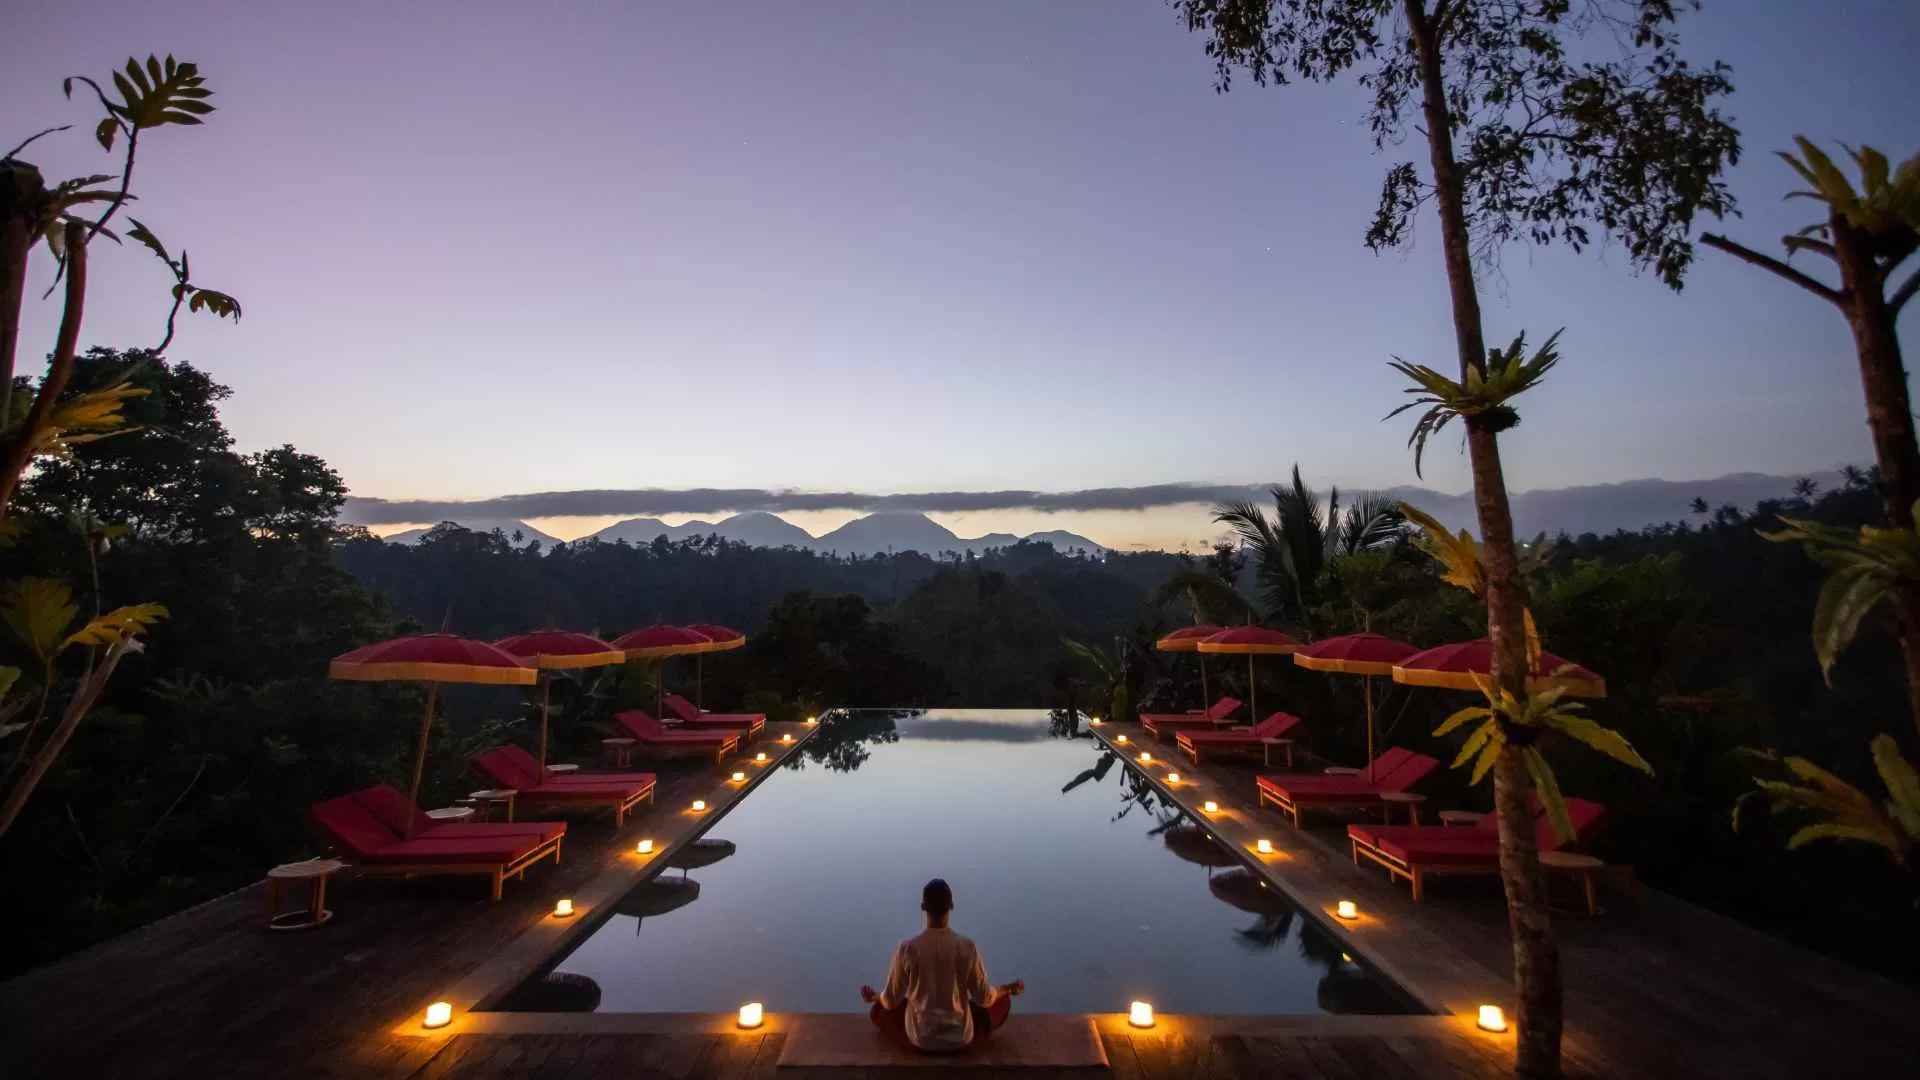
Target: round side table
(487, 799)
(1581, 866)
(315, 873)
(451, 813)
(563, 767)
(1266, 751)
(616, 753)
(1410, 800)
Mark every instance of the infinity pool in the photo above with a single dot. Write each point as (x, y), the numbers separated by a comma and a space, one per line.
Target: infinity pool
(1069, 873)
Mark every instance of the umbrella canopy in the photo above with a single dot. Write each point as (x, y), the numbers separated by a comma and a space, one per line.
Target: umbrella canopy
(1357, 654)
(558, 650)
(1187, 639)
(658, 642)
(1456, 666)
(432, 659)
(1250, 641)
(699, 853)
(720, 639)
(435, 658)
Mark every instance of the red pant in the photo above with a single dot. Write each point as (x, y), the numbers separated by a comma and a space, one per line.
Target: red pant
(894, 1021)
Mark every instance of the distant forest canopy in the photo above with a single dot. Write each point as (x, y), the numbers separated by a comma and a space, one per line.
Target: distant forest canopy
(194, 773)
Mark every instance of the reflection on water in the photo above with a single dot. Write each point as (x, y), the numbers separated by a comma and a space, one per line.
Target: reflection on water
(556, 992)
(1091, 907)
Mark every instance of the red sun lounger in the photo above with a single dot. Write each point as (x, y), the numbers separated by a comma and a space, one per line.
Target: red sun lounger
(640, 726)
(1159, 724)
(350, 826)
(1416, 852)
(1395, 770)
(512, 767)
(1275, 726)
(692, 718)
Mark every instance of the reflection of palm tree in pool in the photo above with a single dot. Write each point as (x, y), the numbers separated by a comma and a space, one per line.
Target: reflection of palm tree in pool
(1196, 845)
(1135, 791)
(1243, 890)
(1345, 986)
(1098, 772)
(840, 743)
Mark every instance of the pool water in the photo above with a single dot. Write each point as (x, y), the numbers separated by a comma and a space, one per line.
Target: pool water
(1068, 872)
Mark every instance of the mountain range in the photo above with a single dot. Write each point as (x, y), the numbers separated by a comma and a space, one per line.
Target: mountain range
(1598, 508)
(869, 535)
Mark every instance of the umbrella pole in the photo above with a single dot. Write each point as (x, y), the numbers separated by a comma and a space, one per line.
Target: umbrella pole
(546, 686)
(1206, 695)
(1253, 693)
(660, 689)
(1366, 686)
(420, 751)
(699, 682)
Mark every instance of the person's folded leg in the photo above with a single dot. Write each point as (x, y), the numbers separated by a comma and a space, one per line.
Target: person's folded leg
(891, 1021)
(985, 1020)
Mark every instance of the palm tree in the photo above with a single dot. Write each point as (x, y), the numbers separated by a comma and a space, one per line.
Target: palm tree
(1292, 548)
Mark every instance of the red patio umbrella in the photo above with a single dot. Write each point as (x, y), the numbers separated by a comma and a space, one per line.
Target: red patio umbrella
(431, 659)
(1456, 666)
(658, 642)
(1187, 639)
(558, 650)
(1252, 641)
(1357, 654)
(721, 639)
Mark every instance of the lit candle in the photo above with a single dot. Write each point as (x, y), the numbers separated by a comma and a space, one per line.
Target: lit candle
(1121, 739)
(786, 738)
(1140, 1014)
(699, 806)
(812, 720)
(1210, 806)
(760, 757)
(739, 777)
(1173, 778)
(1094, 720)
(644, 847)
(1347, 909)
(562, 908)
(439, 1014)
(1263, 846)
(1492, 1019)
(1146, 758)
(751, 1015)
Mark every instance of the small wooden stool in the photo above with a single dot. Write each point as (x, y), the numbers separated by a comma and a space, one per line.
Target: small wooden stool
(1461, 817)
(1266, 750)
(1410, 800)
(617, 753)
(1584, 866)
(487, 799)
(313, 871)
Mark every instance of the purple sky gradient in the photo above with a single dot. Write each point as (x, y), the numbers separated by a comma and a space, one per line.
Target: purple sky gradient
(493, 247)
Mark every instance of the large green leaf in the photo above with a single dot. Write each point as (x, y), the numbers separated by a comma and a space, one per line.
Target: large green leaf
(1903, 784)
(1604, 739)
(39, 611)
(1550, 798)
(169, 93)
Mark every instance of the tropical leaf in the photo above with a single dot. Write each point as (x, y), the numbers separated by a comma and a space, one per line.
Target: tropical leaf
(1842, 811)
(161, 93)
(1475, 742)
(1604, 739)
(1903, 783)
(1489, 752)
(121, 622)
(219, 303)
(8, 676)
(39, 611)
(85, 418)
(1548, 786)
(1471, 712)
(143, 235)
(1867, 567)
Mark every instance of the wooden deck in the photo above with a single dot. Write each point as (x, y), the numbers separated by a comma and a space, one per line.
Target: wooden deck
(1655, 987)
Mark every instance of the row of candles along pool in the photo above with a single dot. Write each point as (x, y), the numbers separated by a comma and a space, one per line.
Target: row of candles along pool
(1139, 1013)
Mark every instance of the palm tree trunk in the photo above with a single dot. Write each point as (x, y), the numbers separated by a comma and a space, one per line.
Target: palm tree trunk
(1883, 378)
(1536, 956)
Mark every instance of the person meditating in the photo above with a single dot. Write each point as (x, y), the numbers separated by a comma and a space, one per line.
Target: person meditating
(937, 993)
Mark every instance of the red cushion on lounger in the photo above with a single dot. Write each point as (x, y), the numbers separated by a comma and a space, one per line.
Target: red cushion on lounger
(349, 825)
(386, 803)
(504, 769)
(583, 792)
(438, 849)
(631, 779)
(687, 710)
(1440, 846)
(645, 728)
(1273, 727)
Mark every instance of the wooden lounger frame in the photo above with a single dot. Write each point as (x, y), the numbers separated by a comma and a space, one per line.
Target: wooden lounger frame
(1416, 875)
(620, 807)
(499, 872)
(1339, 802)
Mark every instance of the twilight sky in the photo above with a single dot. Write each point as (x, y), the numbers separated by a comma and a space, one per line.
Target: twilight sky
(496, 247)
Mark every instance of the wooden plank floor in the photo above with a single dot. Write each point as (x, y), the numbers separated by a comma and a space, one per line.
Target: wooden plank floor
(1655, 987)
